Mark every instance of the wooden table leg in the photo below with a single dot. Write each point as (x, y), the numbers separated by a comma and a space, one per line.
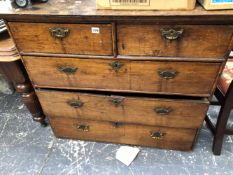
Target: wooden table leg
(14, 71)
(30, 99)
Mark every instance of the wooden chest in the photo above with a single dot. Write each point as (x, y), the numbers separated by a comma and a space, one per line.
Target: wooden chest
(140, 78)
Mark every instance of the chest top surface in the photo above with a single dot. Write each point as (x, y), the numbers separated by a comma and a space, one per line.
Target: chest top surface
(86, 9)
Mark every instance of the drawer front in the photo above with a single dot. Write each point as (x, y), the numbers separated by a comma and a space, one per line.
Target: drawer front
(137, 110)
(93, 39)
(178, 41)
(186, 78)
(160, 137)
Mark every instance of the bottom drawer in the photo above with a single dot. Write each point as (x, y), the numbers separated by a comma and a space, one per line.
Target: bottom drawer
(153, 111)
(160, 137)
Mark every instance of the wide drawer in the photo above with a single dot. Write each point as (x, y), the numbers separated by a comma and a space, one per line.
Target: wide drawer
(160, 137)
(93, 39)
(200, 41)
(126, 109)
(187, 78)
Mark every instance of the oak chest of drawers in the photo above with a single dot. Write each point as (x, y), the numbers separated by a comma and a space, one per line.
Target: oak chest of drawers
(140, 78)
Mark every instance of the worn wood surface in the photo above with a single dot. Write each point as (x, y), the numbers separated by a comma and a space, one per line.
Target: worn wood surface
(126, 57)
(36, 37)
(134, 55)
(85, 10)
(195, 41)
(127, 109)
(180, 139)
(139, 76)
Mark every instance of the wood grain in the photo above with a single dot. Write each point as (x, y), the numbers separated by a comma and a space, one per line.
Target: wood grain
(126, 109)
(178, 139)
(131, 40)
(211, 41)
(138, 76)
(63, 11)
(36, 37)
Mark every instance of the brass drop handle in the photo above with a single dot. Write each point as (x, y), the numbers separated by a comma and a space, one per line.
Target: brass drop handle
(116, 101)
(82, 127)
(167, 74)
(59, 32)
(116, 65)
(163, 110)
(157, 135)
(75, 103)
(117, 124)
(69, 70)
(171, 34)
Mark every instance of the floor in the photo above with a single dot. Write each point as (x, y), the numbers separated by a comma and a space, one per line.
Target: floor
(26, 148)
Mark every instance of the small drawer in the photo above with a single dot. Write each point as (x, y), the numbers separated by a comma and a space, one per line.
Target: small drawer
(84, 39)
(126, 109)
(195, 41)
(187, 78)
(160, 137)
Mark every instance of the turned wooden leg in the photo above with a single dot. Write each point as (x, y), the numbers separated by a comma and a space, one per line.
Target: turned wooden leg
(14, 71)
(30, 100)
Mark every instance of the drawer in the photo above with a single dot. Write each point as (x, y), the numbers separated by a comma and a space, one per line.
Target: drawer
(93, 39)
(126, 109)
(200, 41)
(160, 137)
(187, 78)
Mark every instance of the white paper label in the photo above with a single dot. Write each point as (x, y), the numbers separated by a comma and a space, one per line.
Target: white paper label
(127, 154)
(130, 2)
(95, 30)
